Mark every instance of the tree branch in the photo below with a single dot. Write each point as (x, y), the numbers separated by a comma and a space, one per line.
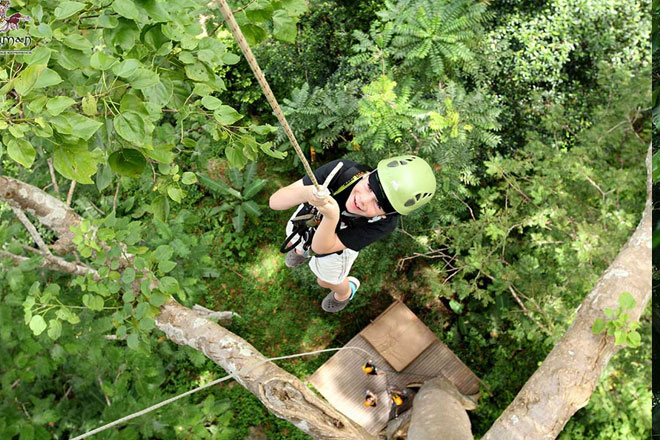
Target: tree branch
(50, 211)
(32, 230)
(69, 196)
(52, 176)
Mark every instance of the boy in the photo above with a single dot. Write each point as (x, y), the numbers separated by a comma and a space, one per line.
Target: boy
(364, 207)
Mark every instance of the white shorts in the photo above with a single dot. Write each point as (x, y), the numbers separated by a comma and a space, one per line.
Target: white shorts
(333, 268)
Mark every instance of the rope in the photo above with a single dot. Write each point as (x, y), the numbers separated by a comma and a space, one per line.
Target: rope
(240, 39)
(217, 381)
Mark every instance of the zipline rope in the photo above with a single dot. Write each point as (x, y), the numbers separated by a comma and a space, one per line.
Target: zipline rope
(240, 39)
(217, 381)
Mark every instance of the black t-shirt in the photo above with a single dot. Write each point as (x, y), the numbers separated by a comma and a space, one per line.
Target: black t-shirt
(354, 232)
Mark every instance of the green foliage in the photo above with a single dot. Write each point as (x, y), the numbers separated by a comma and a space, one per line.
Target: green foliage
(244, 187)
(434, 38)
(535, 123)
(618, 325)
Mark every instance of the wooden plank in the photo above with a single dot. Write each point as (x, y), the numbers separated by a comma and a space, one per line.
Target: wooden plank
(341, 380)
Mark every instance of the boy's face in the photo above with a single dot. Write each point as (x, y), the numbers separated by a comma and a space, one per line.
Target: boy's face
(362, 200)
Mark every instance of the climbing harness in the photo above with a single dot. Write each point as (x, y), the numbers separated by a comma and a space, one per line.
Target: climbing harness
(304, 224)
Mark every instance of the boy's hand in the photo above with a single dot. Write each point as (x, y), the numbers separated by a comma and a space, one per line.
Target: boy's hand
(328, 207)
(312, 199)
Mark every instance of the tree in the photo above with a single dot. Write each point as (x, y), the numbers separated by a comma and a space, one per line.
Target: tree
(560, 387)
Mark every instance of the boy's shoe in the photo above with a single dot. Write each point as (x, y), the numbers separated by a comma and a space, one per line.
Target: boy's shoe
(293, 259)
(331, 305)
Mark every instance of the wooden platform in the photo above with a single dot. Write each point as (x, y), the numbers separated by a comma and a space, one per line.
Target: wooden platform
(343, 384)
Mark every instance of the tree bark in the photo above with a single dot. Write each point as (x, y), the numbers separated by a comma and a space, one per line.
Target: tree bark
(568, 376)
(439, 413)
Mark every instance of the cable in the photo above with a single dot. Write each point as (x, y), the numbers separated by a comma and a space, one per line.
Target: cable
(217, 381)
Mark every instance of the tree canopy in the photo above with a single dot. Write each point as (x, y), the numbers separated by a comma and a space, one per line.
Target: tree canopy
(137, 154)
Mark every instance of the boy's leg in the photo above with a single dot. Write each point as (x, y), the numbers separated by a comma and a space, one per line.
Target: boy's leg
(342, 290)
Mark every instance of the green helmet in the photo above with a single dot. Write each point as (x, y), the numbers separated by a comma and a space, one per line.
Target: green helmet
(408, 182)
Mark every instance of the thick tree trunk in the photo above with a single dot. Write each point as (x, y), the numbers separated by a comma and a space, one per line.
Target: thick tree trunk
(439, 412)
(568, 376)
(282, 393)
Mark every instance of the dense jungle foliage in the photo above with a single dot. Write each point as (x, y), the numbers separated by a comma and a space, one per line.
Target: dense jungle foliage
(533, 113)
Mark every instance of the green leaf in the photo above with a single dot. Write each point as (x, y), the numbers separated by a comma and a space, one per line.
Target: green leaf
(128, 276)
(168, 285)
(236, 177)
(89, 105)
(251, 208)
(634, 339)
(159, 93)
(626, 301)
(163, 252)
(75, 124)
(131, 126)
(253, 33)
(235, 157)
(40, 55)
(197, 72)
(239, 219)
(67, 9)
(158, 299)
(226, 115)
(78, 42)
(44, 30)
(656, 163)
(218, 186)
(22, 152)
(230, 58)
(27, 79)
(211, 102)
(598, 326)
(143, 78)
(166, 266)
(126, 8)
(48, 78)
(188, 178)
(175, 193)
(54, 329)
(57, 105)
(155, 10)
(295, 7)
(37, 324)
(161, 153)
(619, 337)
(253, 188)
(127, 162)
(75, 162)
(268, 148)
(609, 312)
(160, 207)
(132, 341)
(104, 178)
(102, 61)
(259, 11)
(126, 68)
(284, 27)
